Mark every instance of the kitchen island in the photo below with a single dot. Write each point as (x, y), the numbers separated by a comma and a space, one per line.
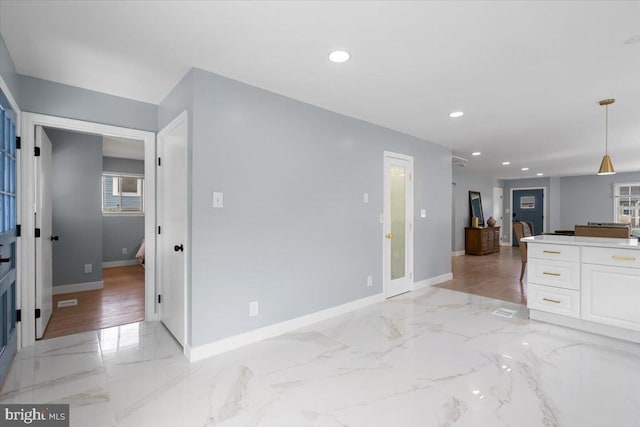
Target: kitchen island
(588, 283)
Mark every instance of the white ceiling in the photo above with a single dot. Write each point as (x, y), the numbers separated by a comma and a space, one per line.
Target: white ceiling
(123, 148)
(528, 75)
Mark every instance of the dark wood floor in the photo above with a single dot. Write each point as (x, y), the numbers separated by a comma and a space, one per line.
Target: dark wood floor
(494, 276)
(121, 301)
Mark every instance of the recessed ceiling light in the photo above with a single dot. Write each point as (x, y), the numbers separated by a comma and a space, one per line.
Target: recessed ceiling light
(525, 169)
(539, 174)
(456, 114)
(506, 163)
(339, 56)
(476, 153)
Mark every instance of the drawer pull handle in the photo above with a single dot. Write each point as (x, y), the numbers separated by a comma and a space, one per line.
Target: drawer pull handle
(623, 258)
(555, 301)
(551, 252)
(546, 273)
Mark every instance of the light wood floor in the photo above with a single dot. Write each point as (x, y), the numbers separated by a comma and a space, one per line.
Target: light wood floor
(120, 302)
(494, 276)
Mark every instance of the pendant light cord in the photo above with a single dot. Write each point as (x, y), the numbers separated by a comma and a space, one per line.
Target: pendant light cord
(606, 129)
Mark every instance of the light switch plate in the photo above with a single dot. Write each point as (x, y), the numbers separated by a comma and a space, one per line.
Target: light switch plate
(253, 308)
(369, 280)
(365, 198)
(88, 268)
(423, 213)
(218, 200)
(381, 218)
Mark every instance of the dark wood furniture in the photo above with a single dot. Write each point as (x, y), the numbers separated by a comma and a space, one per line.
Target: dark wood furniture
(481, 241)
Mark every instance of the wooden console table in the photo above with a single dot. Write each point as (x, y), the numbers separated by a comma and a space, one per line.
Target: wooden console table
(481, 241)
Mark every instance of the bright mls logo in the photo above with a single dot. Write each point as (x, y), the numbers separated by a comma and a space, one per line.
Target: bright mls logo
(35, 415)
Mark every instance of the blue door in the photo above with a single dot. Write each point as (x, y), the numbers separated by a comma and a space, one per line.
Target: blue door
(528, 205)
(8, 336)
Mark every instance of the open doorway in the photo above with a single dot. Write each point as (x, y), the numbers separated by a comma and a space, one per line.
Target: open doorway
(32, 235)
(90, 210)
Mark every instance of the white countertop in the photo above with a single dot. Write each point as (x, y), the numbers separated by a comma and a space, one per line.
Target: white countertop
(602, 242)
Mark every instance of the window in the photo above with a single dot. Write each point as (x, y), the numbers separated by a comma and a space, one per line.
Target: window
(122, 194)
(626, 204)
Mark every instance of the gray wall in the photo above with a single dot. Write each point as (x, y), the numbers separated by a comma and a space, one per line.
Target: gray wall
(8, 70)
(589, 198)
(294, 233)
(464, 184)
(77, 208)
(121, 231)
(46, 97)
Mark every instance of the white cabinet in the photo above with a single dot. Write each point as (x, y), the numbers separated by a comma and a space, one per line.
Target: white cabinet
(587, 284)
(611, 295)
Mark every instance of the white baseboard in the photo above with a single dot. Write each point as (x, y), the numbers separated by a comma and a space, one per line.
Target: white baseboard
(77, 287)
(231, 343)
(457, 253)
(432, 281)
(121, 263)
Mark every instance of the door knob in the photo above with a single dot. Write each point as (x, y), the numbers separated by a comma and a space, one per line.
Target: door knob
(389, 236)
(56, 238)
(178, 248)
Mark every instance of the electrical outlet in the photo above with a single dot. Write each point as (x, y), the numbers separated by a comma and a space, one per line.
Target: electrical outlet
(253, 308)
(124, 251)
(88, 268)
(369, 280)
(365, 198)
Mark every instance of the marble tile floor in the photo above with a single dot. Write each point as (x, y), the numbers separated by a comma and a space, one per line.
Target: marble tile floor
(435, 357)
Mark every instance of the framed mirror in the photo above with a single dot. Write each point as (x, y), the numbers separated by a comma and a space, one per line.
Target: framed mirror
(475, 208)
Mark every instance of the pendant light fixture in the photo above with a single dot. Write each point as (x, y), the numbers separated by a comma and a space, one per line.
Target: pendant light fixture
(606, 167)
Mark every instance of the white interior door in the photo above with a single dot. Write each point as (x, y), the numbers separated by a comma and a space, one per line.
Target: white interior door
(497, 205)
(44, 218)
(172, 219)
(398, 224)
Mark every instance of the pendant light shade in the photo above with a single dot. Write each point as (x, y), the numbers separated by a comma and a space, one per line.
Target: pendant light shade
(606, 167)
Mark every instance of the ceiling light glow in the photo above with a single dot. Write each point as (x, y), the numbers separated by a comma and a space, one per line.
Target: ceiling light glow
(456, 114)
(339, 56)
(506, 163)
(539, 174)
(476, 153)
(525, 169)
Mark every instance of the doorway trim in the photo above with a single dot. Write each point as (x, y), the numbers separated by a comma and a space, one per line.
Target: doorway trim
(409, 204)
(26, 211)
(545, 218)
(14, 105)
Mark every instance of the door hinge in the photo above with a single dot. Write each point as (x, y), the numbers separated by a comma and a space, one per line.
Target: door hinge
(37, 233)
(159, 299)
(410, 227)
(38, 313)
(410, 275)
(18, 230)
(18, 315)
(159, 230)
(159, 162)
(18, 142)
(36, 151)
(410, 177)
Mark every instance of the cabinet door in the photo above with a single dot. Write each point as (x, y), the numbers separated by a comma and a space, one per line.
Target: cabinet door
(611, 295)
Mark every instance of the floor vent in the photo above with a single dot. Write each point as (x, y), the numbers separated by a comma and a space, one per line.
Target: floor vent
(504, 312)
(68, 302)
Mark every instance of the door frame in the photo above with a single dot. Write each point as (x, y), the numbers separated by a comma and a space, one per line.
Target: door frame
(545, 218)
(16, 108)
(26, 211)
(180, 118)
(410, 204)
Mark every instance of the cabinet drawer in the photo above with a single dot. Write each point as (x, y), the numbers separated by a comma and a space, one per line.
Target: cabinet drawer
(611, 295)
(562, 274)
(611, 256)
(555, 252)
(554, 300)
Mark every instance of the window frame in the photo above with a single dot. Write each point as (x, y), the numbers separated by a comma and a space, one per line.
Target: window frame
(140, 193)
(616, 202)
